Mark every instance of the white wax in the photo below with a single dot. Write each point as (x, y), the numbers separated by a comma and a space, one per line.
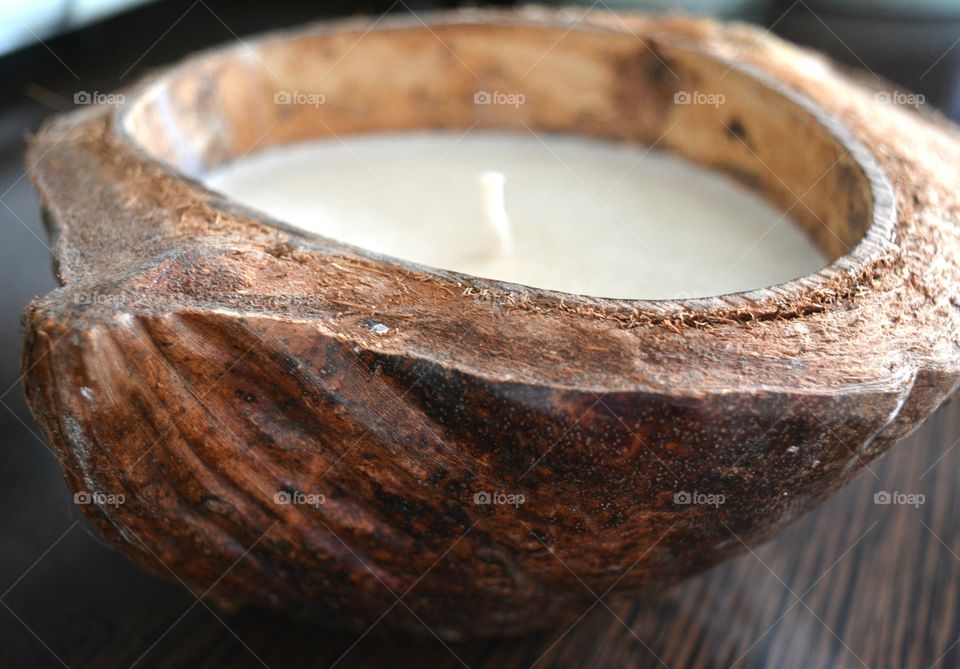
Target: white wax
(584, 216)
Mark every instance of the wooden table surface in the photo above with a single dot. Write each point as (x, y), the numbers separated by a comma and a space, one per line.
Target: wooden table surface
(853, 584)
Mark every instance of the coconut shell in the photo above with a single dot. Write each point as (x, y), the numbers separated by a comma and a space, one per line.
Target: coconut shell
(204, 365)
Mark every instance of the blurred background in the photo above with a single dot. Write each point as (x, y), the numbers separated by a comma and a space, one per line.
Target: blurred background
(852, 585)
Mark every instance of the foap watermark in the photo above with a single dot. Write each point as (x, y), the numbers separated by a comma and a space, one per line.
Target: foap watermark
(914, 499)
(296, 497)
(98, 98)
(84, 498)
(98, 298)
(499, 98)
(484, 498)
(289, 300)
(286, 301)
(686, 498)
(699, 98)
(301, 98)
(900, 98)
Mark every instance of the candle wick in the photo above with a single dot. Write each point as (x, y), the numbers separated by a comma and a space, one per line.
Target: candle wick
(495, 221)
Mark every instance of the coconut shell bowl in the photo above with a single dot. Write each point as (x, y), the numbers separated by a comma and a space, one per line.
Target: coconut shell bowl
(202, 365)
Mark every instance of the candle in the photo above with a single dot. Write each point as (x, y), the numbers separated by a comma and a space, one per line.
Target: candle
(563, 213)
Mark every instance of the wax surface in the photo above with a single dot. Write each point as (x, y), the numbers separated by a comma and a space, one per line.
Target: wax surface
(586, 216)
